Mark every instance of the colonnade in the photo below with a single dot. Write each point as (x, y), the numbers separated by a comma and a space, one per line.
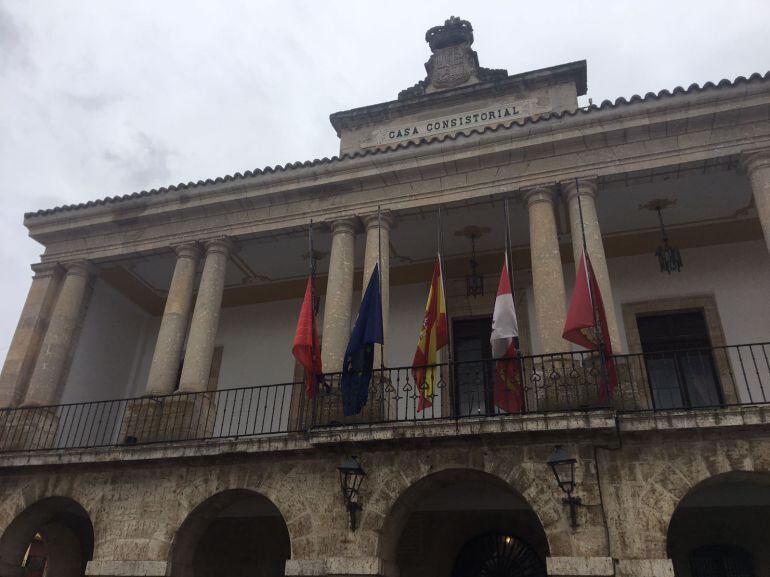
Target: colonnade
(38, 358)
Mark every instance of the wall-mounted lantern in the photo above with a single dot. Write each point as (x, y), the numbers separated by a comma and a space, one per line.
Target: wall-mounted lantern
(563, 467)
(351, 476)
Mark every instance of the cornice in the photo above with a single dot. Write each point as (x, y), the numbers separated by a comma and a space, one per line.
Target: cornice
(352, 162)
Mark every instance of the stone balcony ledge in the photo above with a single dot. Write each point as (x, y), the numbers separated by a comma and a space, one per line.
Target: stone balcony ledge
(596, 422)
(732, 416)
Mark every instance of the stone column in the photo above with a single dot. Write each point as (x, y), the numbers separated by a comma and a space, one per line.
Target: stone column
(378, 247)
(339, 295)
(47, 378)
(757, 166)
(173, 328)
(205, 320)
(25, 344)
(547, 273)
(595, 245)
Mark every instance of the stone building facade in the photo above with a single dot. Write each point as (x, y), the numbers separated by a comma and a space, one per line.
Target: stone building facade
(154, 423)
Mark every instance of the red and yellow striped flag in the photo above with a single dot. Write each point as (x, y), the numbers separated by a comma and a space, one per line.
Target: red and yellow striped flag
(433, 337)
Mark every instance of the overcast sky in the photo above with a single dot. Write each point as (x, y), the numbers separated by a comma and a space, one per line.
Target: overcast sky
(101, 97)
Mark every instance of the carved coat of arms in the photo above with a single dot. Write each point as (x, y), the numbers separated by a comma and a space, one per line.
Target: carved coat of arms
(451, 66)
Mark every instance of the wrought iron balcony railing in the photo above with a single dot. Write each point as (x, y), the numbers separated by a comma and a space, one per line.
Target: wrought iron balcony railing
(576, 381)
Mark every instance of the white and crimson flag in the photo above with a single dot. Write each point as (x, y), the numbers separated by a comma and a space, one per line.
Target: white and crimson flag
(434, 336)
(507, 393)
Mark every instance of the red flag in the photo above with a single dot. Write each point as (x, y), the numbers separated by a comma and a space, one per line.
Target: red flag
(434, 336)
(580, 327)
(507, 393)
(305, 348)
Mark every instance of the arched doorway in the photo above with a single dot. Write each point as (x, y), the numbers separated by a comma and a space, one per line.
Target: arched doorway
(238, 533)
(53, 537)
(498, 555)
(464, 522)
(720, 528)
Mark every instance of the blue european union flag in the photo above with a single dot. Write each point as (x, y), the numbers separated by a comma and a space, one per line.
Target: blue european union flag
(359, 356)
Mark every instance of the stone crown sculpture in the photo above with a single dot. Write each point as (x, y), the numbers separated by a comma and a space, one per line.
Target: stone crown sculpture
(454, 31)
(453, 63)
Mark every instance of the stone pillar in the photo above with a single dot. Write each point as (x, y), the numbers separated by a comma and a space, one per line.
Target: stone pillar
(547, 272)
(580, 567)
(595, 245)
(378, 247)
(757, 166)
(205, 320)
(25, 344)
(173, 328)
(48, 376)
(644, 568)
(339, 295)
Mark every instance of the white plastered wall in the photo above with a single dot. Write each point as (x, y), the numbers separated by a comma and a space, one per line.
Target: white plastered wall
(737, 275)
(110, 357)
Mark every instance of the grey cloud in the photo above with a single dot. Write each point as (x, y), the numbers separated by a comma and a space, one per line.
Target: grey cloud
(92, 102)
(12, 49)
(145, 164)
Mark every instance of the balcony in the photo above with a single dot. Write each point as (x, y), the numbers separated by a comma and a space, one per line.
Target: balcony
(471, 391)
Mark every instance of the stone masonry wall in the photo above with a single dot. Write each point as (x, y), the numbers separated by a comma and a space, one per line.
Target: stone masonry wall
(136, 508)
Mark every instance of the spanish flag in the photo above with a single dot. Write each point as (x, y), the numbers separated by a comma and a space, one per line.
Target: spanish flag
(433, 337)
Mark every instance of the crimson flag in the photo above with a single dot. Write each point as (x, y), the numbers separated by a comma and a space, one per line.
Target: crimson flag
(305, 348)
(580, 327)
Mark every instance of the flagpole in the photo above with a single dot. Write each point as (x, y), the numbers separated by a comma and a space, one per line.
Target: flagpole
(379, 278)
(509, 254)
(313, 327)
(440, 224)
(509, 267)
(597, 321)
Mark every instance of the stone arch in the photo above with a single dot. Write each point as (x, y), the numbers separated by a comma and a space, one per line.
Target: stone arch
(242, 522)
(65, 530)
(722, 513)
(475, 502)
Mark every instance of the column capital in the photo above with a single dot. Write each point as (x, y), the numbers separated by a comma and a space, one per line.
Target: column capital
(754, 160)
(588, 187)
(371, 220)
(344, 225)
(46, 269)
(221, 245)
(82, 268)
(190, 250)
(539, 194)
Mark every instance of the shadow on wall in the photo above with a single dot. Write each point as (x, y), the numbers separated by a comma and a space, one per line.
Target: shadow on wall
(720, 528)
(53, 537)
(452, 521)
(238, 533)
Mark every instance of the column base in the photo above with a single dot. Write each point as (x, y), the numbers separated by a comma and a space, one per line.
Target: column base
(340, 567)
(580, 566)
(644, 568)
(178, 417)
(28, 429)
(329, 405)
(564, 383)
(108, 568)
